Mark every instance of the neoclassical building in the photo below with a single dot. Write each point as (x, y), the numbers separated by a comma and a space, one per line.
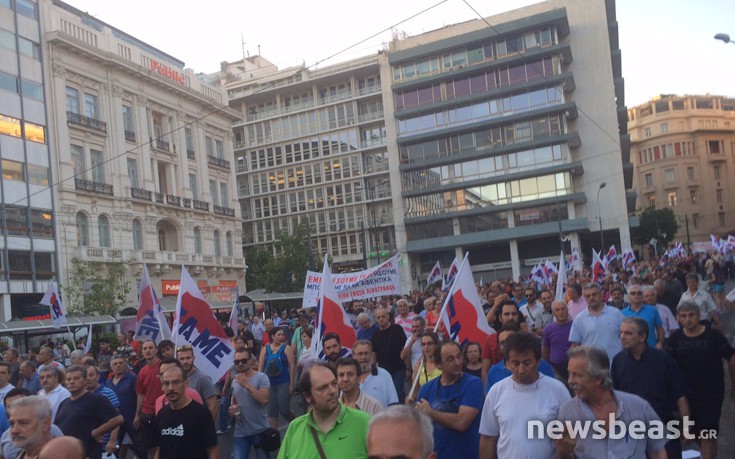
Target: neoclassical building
(142, 158)
(683, 152)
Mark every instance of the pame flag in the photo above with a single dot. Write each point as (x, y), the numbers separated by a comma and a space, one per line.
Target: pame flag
(612, 254)
(150, 322)
(435, 275)
(462, 312)
(330, 315)
(629, 261)
(451, 274)
(598, 268)
(52, 300)
(196, 325)
(576, 262)
(235, 313)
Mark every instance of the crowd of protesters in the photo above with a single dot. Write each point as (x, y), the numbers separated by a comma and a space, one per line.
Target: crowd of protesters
(645, 345)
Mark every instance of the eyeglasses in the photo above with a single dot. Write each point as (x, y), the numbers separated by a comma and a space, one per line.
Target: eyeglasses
(184, 347)
(241, 361)
(635, 293)
(176, 382)
(529, 295)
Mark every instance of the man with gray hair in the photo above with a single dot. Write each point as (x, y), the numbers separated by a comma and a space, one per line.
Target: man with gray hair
(52, 391)
(596, 400)
(668, 320)
(30, 424)
(12, 356)
(365, 326)
(598, 325)
(76, 357)
(401, 431)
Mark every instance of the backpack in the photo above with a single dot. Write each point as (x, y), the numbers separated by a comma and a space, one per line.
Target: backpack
(273, 362)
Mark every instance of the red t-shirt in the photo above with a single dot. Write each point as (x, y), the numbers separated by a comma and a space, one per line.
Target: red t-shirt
(491, 349)
(149, 385)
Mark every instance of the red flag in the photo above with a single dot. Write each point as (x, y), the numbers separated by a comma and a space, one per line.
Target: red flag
(150, 322)
(330, 315)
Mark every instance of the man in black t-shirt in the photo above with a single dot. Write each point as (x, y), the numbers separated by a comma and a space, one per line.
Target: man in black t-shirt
(699, 351)
(183, 428)
(388, 342)
(85, 415)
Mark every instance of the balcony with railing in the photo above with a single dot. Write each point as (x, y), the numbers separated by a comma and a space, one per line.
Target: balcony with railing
(173, 200)
(99, 254)
(140, 193)
(159, 197)
(186, 202)
(370, 117)
(92, 187)
(221, 210)
(85, 121)
(373, 143)
(130, 136)
(219, 162)
(201, 205)
(190, 154)
(159, 144)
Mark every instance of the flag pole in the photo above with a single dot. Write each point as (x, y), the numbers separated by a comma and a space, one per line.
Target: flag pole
(436, 327)
(73, 341)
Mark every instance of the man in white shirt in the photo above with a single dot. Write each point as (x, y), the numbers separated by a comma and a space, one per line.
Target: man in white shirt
(527, 395)
(533, 312)
(52, 391)
(707, 307)
(411, 352)
(374, 380)
(667, 318)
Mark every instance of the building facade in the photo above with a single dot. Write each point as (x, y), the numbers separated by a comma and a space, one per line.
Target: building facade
(683, 153)
(28, 251)
(142, 159)
(504, 133)
(311, 149)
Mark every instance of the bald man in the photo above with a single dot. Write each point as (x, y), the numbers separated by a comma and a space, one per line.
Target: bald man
(64, 447)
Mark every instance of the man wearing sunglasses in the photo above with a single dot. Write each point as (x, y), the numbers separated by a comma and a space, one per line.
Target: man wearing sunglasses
(250, 393)
(647, 313)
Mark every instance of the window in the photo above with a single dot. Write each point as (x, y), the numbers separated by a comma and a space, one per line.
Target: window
(714, 147)
(716, 171)
(133, 172)
(16, 221)
(32, 90)
(693, 196)
(721, 218)
(213, 192)
(27, 8)
(29, 48)
(127, 113)
(98, 166)
(137, 234)
(695, 220)
(220, 148)
(647, 132)
(209, 143)
(652, 201)
(649, 180)
(77, 160)
(13, 170)
(217, 244)
(7, 39)
(103, 226)
(690, 174)
(224, 194)
(8, 83)
(43, 224)
(72, 100)
(189, 139)
(670, 175)
(671, 198)
(37, 175)
(197, 241)
(718, 194)
(228, 244)
(193, 186)
(90, 106)
(82, 230)
(664, 128)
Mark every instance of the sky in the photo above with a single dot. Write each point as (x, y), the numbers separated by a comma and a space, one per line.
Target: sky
(667, 45)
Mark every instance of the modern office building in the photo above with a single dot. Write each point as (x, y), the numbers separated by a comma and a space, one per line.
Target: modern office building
(683, 153)
(142, 151)
(28, 252)
(312, 149)
(508, 134)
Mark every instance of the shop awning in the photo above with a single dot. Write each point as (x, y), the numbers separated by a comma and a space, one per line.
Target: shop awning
(20, 326)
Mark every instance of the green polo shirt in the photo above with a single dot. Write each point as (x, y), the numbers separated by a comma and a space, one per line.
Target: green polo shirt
(347, 438)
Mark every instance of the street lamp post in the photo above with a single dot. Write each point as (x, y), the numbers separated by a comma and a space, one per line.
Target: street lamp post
(370, 191)
(599, 215)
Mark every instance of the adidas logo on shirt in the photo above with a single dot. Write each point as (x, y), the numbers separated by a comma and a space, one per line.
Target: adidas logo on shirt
(174, 431)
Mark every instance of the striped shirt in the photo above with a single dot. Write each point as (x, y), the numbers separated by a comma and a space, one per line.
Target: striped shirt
(365, 403)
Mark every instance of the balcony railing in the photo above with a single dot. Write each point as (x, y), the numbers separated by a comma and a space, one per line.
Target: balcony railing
(160, 145)
(224, 211)
(140, 193)
(186, 202)
(173, 200)
(190, 154)
(93, 187)
(130, 136)
(101, 253)
(201, 205)
(85, 121)
(219, 162)
(159, 197)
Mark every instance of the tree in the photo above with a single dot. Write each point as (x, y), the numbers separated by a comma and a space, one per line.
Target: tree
(96, 287)
(258, 259)
(659, 224)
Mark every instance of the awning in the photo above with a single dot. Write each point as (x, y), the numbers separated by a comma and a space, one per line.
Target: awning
(20, 326)
(261, 296)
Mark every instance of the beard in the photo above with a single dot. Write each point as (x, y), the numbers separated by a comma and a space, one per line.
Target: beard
(28, 442)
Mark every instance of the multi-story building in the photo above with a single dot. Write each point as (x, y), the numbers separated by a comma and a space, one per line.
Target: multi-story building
(142, 151)
(683, 153)
(312, 149)
(27, 247)
(503, 134)
(495, 136)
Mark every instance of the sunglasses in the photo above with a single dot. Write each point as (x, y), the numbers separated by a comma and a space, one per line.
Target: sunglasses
(241, 361)
(635, 293)
(184, 347)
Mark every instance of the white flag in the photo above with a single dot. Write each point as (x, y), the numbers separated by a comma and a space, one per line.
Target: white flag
(52, 299)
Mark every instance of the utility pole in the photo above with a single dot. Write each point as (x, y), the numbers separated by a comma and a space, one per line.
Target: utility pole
(689, 241)
(308, 241)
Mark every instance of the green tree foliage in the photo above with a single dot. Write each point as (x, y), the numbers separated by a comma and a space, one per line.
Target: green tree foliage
(96, 287)
(285, 272)
(659, 224)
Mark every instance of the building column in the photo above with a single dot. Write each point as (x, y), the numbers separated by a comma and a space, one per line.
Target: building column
(515, 261)
(5, 312)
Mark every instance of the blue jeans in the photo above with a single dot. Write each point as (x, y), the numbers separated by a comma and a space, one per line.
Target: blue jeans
(241, 447)
(224, 412)
(399, 380)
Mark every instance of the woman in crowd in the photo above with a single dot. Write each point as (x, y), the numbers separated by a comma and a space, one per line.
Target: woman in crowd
(278, 362)
(426, 367)
(472, 354)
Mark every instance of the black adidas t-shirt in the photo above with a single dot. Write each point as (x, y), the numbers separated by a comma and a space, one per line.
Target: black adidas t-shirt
(186, 432)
